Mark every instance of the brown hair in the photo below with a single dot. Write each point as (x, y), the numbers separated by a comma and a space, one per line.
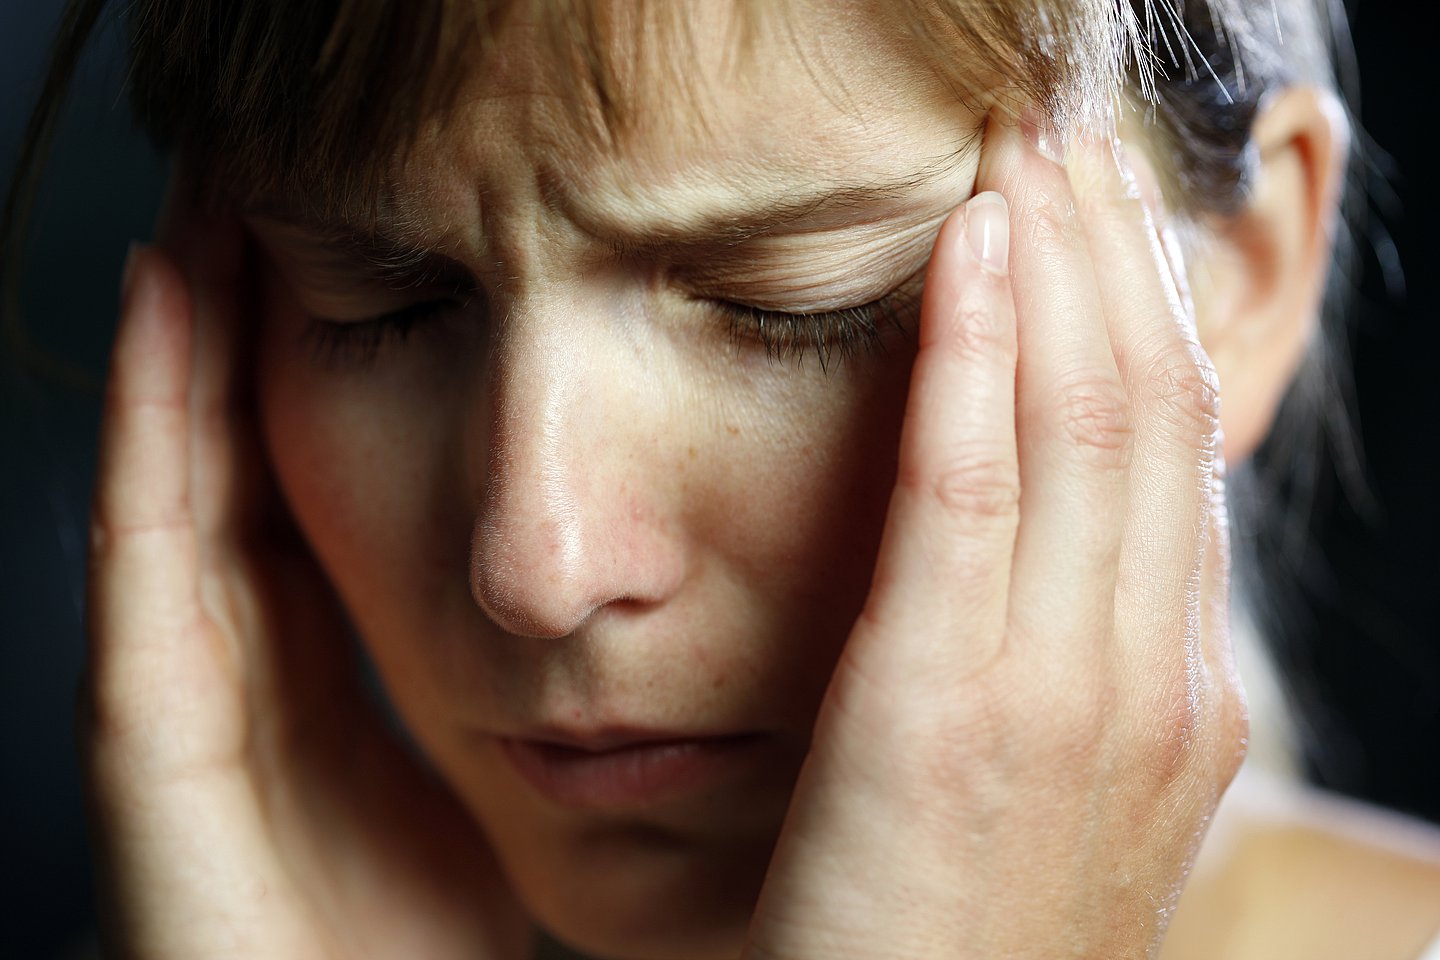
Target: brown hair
(313, 101)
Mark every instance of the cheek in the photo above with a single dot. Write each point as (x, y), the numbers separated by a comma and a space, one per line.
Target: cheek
(783, 478)
(806, 488)
(795, 503)
(358, 456)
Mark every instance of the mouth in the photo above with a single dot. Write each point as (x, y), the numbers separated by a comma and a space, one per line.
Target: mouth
(628, 771)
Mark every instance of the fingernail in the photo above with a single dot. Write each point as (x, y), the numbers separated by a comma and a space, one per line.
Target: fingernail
(1041, 134)
(987, 225)
(127, 273)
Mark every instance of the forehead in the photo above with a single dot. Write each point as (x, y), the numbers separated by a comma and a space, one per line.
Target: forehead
(695, 99)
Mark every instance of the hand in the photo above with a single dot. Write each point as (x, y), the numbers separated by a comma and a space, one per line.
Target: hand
(247, 800)
(1036, 714)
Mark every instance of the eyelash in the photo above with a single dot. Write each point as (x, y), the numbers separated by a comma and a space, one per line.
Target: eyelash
(334, 343)
(834, 336)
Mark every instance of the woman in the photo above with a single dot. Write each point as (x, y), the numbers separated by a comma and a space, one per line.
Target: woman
(773, 456)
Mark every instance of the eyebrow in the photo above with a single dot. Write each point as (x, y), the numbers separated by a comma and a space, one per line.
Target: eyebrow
(392, 249)
(395, 257)
(769, 214)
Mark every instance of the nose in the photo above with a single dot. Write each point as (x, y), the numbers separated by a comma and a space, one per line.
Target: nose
(575, 512)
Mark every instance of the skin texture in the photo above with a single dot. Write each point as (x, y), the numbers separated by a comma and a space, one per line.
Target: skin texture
(650, 512)
(990, 557)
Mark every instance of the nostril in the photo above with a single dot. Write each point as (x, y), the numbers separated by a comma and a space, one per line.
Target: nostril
(532, 583)
(566, 522)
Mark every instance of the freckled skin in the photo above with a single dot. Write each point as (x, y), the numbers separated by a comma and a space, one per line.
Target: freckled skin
(587, 503)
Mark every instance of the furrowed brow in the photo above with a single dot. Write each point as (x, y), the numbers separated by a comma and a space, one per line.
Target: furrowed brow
(812, 206)
(387, 252)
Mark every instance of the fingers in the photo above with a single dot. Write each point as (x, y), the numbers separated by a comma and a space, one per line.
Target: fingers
(945, 556)
(246, 537)
(1229, 709)
(933, 623)
(1174, 398)
(156, 668)
(175, 817)
(1170, 581)
(1073, 420)
(228, 476)
(1020, 491)
(143, 481)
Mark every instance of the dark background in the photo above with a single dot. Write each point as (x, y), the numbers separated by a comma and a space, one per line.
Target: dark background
(1360, 597)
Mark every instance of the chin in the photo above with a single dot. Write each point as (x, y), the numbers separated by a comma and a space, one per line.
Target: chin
(675, 877)
(635, 891)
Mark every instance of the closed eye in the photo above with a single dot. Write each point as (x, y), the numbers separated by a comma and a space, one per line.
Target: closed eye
(357, 343)
(832, 335)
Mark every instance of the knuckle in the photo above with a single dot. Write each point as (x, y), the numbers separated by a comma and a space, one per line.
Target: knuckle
(1052, 220)
(1169, 748)
(1233, 740)
(1094, 416)
(977, 483)
(1170, 735)
(1198, 732)
(109, 726)
(1183, 391)
(979, 334)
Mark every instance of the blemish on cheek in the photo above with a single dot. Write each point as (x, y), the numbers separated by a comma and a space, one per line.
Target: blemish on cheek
(731, 429)
(638, 511)
(690, 452)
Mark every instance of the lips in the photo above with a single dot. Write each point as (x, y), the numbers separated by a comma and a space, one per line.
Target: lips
(624, 770)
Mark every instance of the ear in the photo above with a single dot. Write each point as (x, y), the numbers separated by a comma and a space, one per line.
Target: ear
(1261, 278)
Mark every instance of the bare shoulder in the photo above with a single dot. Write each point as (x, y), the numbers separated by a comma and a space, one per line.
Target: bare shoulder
(1293, 872)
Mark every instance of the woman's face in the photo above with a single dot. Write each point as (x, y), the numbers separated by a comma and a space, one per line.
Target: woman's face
(586, 505)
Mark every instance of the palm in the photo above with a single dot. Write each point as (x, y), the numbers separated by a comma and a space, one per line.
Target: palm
(242, 780)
